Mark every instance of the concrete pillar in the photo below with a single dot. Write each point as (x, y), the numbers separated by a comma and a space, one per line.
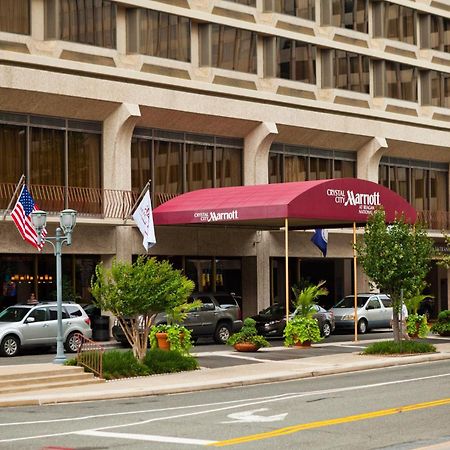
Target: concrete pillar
(256, 153)
(368, 159)
(37, 20)
(362, 282)
(117, 132)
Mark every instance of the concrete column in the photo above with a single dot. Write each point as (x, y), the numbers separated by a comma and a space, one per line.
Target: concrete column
(362, 282)
(117, 132)
(368, 159)
(256, 153)
(37, 20)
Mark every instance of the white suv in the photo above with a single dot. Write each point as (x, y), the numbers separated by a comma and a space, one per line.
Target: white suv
(36, 325)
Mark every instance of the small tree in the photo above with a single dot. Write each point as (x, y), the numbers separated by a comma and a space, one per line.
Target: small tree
(396, 258)
(444, 260)
(136, 293)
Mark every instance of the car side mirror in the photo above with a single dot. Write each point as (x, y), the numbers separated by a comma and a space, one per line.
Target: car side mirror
(30, 320)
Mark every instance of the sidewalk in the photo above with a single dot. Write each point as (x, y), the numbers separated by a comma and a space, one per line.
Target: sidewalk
(205, 379)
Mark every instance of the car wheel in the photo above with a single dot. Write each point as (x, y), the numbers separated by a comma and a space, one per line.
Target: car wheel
(222, 333)
(326, 329)
(362, 326)
(72, 343)
(10, 346)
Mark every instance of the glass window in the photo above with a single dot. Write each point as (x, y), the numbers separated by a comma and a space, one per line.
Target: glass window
(53, 313)
(275, 167)
(440, 89)
(440, 33)
(400, 23)
(13, 142)
(320, 169)
(91, 22)
(351, 71)
(39, 314)
(299, 8)
(295, 168)
(373, 304)
(168, 167)
(15, 16)
(401, 81)
(228, 167)
(296, 60)
(419, 189)
(164, 35)
(344, 169)
(47, 157)
(199, 166)
(233, 48)
(84, 159)
(141, 151)
(351, 14)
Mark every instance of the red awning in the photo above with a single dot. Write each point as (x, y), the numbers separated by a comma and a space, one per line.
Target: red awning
(325, 203)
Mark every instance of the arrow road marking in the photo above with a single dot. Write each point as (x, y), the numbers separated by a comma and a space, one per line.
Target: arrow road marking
(250, 416)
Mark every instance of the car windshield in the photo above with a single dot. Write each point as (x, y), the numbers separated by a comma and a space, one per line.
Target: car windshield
(271, 310)
(13, 314)
(349, 302)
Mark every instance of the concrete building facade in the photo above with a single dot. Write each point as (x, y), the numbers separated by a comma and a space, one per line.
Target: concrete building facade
(98, 96)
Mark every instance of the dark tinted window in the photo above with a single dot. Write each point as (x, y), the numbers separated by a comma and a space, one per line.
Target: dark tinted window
(74, 311)
(387, 302)
(53, 313)
(374, 304)
(13, 314)
(349, 302)
(205, 300)
(39, 314)
(225, 300)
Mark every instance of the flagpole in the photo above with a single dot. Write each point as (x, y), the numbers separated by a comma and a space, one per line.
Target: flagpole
(286, 265)
(19, 185)
(144, 190)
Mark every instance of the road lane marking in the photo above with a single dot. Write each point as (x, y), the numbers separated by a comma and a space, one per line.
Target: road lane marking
(146, 437)
(250, 416)
(329, 422)
(234, 404)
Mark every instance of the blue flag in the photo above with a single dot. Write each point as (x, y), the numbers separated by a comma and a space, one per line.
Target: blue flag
(320, 239)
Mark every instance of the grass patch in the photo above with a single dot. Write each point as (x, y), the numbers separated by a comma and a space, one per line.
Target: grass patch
(122, 364)
(398, 348)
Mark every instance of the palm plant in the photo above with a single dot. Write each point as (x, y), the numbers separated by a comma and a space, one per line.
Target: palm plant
(416, 324)
(305, 298)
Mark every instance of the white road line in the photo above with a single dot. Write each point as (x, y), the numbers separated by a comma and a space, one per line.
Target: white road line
(146, 437)
(248, 402)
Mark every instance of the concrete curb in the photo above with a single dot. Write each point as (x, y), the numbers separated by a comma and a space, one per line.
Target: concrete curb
(209, 379)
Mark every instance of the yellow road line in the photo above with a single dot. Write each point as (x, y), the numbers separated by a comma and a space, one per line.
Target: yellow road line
(326, 423)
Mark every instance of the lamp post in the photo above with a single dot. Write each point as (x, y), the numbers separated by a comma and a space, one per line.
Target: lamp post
(67, 219)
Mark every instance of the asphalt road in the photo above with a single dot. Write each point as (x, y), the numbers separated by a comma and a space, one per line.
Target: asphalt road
(396, 408)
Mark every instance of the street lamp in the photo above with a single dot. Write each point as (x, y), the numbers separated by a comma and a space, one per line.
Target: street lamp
(67, 220)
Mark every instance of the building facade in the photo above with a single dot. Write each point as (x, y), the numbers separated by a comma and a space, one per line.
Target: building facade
(98, 96)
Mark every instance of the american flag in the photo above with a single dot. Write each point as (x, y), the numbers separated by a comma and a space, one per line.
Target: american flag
(21, 215)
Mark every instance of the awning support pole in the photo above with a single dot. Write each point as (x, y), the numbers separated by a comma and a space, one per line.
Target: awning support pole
(286, 265)
(355, 283)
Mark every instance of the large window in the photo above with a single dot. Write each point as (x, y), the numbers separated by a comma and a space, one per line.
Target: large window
(91, 22)
(15, 16)
(289, 163)
(351, 14)
(440, 89)
(296, 60)
(244, 2)
(182, 162)
(423, 184)
(50, 152)
(401, 81)
(160, 34)
(233, 48)
(400, 23)
(440, 33)
(351, 71)
(299, 8)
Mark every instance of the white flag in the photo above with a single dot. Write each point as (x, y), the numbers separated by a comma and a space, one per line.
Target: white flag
(144, 220)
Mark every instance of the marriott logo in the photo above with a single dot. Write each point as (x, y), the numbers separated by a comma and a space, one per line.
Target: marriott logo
(217, 216)
(362, 199)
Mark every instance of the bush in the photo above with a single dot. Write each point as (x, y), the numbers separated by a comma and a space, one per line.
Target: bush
(395, 348)
(160, 361)
(122, 364)
(416, 325)
(248, 334)
(442, 326)
(301, 329)
(178, 336)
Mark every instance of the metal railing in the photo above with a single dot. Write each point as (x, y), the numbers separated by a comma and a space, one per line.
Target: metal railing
(90, 355)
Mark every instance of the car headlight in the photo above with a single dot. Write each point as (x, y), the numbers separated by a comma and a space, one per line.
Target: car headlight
(348, 317)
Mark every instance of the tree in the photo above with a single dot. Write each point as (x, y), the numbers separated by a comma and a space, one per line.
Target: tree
(444, 260)
(136, 293)
(396, 258)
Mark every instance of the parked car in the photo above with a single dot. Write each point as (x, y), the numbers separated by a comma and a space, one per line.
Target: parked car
(272, 320)
(218, 317)
(373, 311)
(36, 325)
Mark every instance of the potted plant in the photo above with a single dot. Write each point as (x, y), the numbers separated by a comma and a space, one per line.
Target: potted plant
(303, 328)
(442, 326)
(248, 339)
(416, 324)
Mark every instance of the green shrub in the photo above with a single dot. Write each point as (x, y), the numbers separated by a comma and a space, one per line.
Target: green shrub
(442, 326)
(417, 324)
(248, 334)
(71, 362)
(402, 347)
(122, 364)
(178, 336)
(301, 329)
(160, 361)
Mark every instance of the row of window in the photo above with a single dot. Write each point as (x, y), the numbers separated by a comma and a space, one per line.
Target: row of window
(59, 152)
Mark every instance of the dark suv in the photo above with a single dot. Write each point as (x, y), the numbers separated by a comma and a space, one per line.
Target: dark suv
(218, 317)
